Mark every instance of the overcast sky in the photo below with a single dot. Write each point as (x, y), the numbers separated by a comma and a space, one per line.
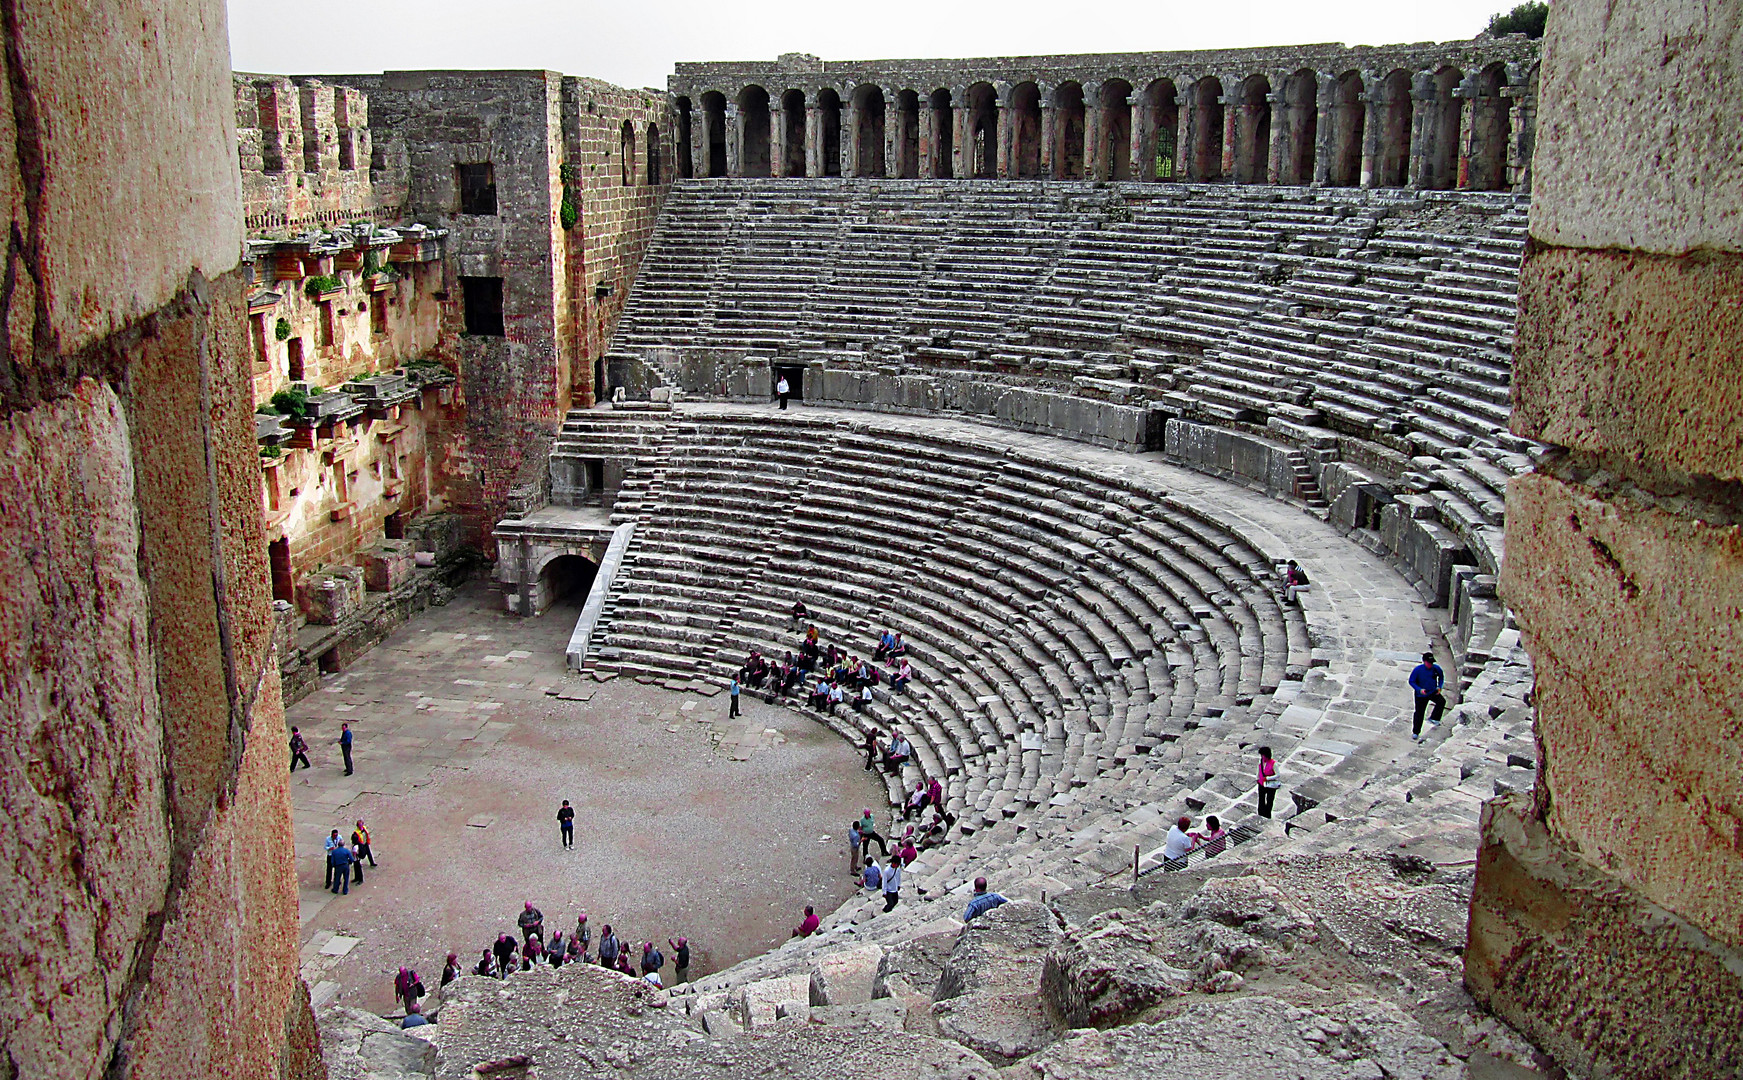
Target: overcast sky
(635, 42)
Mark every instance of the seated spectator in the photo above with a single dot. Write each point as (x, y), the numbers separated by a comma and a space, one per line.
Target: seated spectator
(899, 647)
(863, 702)
(800, 613)
(873, 877)
(808, 925)
(819, 696)
(897, 753)
(1179, 841)
(900, 678)
(1294, 581)
(1214, 840)
(836, 697)
(886, 641)
(917, 801)
(414, 1017)
(983, 901)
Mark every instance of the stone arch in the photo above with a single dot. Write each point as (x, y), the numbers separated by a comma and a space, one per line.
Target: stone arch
(793, 130)
(1348, 115)
(829, 132)
(1300, 127)
(753, 127)
(1113, 124)
(561, 574)
(1392, 115)
(1206, 132)
(1253, 131)
(982, 103)
(868, 130)
(943, 133)
(1440, 143)
(652, 142)
(1025, 106)
(1068, 132)
(907, 141)
(626, 153)
(713, 134)
(1160, 127)
(686, 163)
(1491, 130)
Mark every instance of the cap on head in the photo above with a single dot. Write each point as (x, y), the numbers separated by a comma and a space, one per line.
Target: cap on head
(1428, 658)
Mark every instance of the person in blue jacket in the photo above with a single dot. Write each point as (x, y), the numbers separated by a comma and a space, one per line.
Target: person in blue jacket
(1426, 681)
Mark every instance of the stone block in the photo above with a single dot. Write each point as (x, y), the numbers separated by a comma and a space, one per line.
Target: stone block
(1606, 981)
(845, 976)
(1678, 59)
(759, 1001)
(1633, 356)
(1631, 614)
(389, 566)
(330, 597)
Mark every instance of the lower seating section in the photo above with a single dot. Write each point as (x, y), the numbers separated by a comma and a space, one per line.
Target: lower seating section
(1092, 651)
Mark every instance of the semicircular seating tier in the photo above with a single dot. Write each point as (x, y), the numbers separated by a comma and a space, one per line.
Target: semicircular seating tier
(1347, 348)
(1098, 638)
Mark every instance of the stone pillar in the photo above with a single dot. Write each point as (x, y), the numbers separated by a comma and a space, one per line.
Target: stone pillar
(1467, 132)
(1523, 115)
(734, 140)
(698, 142)
(777, 138)
(1094, 154)
(1607, 910)
(893, 141)
(1049, 137)
(1325, 131)
(1231, 104)
(1007, 166)
(1184, 154)
(923, 167)
(1142, 169)
(849, 135)
(1372, 147)
(1280, 140)
(962, 138)
(813, 138)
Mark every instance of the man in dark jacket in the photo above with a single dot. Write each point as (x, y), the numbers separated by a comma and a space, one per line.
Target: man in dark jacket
(1426, 682)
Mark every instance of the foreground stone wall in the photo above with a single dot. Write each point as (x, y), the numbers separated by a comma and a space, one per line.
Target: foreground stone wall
(1625, 556)
(147, 837)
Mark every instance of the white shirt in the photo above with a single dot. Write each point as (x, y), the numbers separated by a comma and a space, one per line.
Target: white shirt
(892, 878)
(781, 387)
(1177, 844)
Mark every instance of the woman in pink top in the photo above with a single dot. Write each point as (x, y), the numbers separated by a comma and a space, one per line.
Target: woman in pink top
(1267, 781)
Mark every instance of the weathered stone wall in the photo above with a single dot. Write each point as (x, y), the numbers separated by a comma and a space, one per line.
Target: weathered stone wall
(619, 200)
(149, 873)
(1459, 114)
(309, 158)
(1625, 551)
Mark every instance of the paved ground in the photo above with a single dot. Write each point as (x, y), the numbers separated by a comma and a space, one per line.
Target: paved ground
(686, 823)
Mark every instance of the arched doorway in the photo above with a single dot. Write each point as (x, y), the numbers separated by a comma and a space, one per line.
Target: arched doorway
(653, 153)
(907, 163)
(793, 130)
(753, 120)
(1113, 150)
(983, 132)
(1301, 128)
(1068, 131)
(626, 153)
(829, 137)
(1343, 168)
(1161, 121)
(1253, 132)
(564, 580)
(943, 135)
(1207, 129)
(1441, 146)
(868, 123)
(686, 165)
(1491, 130)
(1025, 106)
(1392, 159)
(714, 133)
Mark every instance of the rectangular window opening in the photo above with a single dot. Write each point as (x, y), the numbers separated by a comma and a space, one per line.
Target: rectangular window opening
(483, 305)
(295, 361)
(477, 185)
(378, 312)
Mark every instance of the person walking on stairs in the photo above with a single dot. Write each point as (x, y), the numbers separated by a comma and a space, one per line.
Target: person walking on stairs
(892, 882)
(1427, 681)
(1267, 781)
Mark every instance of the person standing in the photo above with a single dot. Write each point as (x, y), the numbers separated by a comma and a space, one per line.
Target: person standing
(583, 935)
(892, 883)
(345, 745)
(652, 959)
(531, 922)
(566, 822)
(504, 950)
(451, 970)
(1426, 681)
(360, 841)
(299, 749)
(332, 842)
(486, 965)
(341, 867)
(868, 832)
(782, 390)
(732, 693)
(1267, 781)
(408, 988)
(680, 960)
(356, 859)
(608, 947)
(853, 842)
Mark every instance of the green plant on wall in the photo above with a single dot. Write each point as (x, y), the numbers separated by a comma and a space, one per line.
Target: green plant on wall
(271, 452)
(291, 402)
(281, 330)
(570, 212)
(323, 284)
